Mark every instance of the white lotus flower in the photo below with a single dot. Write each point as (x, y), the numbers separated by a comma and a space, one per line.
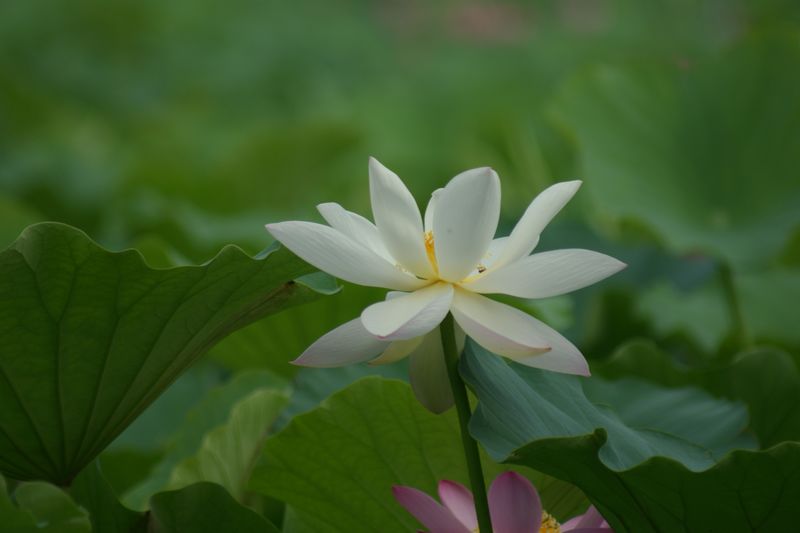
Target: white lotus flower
(444, 264)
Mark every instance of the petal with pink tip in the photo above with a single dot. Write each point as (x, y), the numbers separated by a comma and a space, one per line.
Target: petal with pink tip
(458, 499)
(591, 520)
(563, 357)
(509, 332)
(514, 505)
(347, 344)
(497, 327)
(434, 516)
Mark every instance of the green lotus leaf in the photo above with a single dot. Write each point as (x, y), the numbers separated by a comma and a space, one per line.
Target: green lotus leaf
(765, 379)
(335, 465)
(203, 508)
(89, 338)
(640, 477)
(41, 507)
(228, 453)
(212, 412)
(93, 492)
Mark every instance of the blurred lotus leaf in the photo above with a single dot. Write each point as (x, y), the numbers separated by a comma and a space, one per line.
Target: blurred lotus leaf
(706, 152)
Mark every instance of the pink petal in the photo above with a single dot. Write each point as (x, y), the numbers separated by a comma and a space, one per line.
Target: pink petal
(514, 505)
(590, 519)
(434, 516)
(458, 499)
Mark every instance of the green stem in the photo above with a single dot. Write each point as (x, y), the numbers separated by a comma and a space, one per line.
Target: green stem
(462, 407)
(741, 333)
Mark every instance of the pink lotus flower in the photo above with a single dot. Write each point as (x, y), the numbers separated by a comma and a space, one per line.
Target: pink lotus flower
(514, 506)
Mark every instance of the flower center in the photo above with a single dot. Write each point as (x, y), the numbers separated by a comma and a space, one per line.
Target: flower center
(549, 524)
(431, 251)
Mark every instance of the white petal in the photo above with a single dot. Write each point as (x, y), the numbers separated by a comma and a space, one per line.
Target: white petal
(409, 316)
(427, 373)
(547, 274)
(396, 351)
(431, 209)
(563, 356)
(391, 295)
(497, 327)
(347, 344)
(496, 248)
(331, 251)
(464, 222)
(508, 331)
(488, 259)
(356, 227)
(540, 212)
(398, 220)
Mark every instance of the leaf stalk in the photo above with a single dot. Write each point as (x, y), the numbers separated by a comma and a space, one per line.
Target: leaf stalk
(469, 444)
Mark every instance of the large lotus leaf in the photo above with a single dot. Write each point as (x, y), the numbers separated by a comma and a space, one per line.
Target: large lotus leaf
(276, 340)
(681, 412)
(198, 507)
(11, 516)
(89, 338)
(530, 403)
(766, 380)
(152, 430)
(41, 507)
(746, 491)
(91, 490)
(640, 479)
(335, 465)
(229, 452)
(313, 385)
(212, 411)
(203, 508)
(707, 152)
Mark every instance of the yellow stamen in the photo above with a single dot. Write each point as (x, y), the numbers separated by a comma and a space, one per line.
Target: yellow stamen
(429, 249)
(549, 524)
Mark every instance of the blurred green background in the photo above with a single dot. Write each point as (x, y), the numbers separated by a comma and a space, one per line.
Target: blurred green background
(177, 127)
